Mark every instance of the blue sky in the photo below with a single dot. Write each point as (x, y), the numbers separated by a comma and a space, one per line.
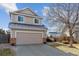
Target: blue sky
(35, 7)
(5, 8)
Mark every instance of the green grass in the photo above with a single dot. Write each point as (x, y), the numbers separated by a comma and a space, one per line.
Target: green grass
(6, 52)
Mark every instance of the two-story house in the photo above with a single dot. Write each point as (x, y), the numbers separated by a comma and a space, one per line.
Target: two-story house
(26, 27)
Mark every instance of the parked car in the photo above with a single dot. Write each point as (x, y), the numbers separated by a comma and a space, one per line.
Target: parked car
(50, 39)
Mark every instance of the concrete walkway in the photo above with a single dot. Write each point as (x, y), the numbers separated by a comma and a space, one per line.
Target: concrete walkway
(39, 50)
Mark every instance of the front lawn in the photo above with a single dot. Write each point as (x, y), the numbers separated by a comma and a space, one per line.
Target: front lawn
(6, 52)
(66, 48)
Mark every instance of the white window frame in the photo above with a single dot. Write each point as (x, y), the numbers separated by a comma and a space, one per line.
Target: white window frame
(34, 21)
(21, 21)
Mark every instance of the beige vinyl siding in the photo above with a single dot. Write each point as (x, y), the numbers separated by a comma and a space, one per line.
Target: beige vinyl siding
(13, 18)
(27, 19)
(27, 12)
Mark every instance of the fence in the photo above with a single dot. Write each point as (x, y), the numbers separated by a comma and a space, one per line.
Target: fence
(4, 38)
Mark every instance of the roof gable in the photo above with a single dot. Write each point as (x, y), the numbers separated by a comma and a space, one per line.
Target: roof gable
(26, 11)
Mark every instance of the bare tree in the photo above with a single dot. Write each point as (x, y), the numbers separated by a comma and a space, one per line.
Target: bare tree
(68, 14)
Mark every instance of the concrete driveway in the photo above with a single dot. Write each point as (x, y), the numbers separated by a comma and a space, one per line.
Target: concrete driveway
(39, 50)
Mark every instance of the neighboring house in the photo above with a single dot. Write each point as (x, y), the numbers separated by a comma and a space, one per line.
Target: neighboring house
(26, 27)
(76, 34)
(55, 34)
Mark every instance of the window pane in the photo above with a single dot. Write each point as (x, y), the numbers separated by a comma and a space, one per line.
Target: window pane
(20, 18)
(36, 21)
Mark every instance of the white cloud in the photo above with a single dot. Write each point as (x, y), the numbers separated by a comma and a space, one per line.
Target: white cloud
(36, 11)
(45, 10)
(9, 7)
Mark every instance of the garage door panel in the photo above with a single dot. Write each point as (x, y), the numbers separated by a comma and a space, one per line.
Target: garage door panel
(28, 38)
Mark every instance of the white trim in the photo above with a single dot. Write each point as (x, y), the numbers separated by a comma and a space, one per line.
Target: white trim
(29, 32)
(11, 33)
(36, 23)
(23, 19)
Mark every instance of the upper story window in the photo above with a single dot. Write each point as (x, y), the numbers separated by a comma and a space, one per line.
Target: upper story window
(36, 21)
(20, 18)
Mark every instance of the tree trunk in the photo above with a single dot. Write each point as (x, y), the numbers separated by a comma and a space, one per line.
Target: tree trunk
(71, 41)
(71, 38)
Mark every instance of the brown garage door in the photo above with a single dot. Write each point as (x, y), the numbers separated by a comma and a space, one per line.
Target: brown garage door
(28, 38)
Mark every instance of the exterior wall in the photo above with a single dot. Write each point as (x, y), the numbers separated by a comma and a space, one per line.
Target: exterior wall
(27, 19)
(44, 36)
(27, 27)
(12, 38)
(13, 18)
(27, 11)
(12, 33)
